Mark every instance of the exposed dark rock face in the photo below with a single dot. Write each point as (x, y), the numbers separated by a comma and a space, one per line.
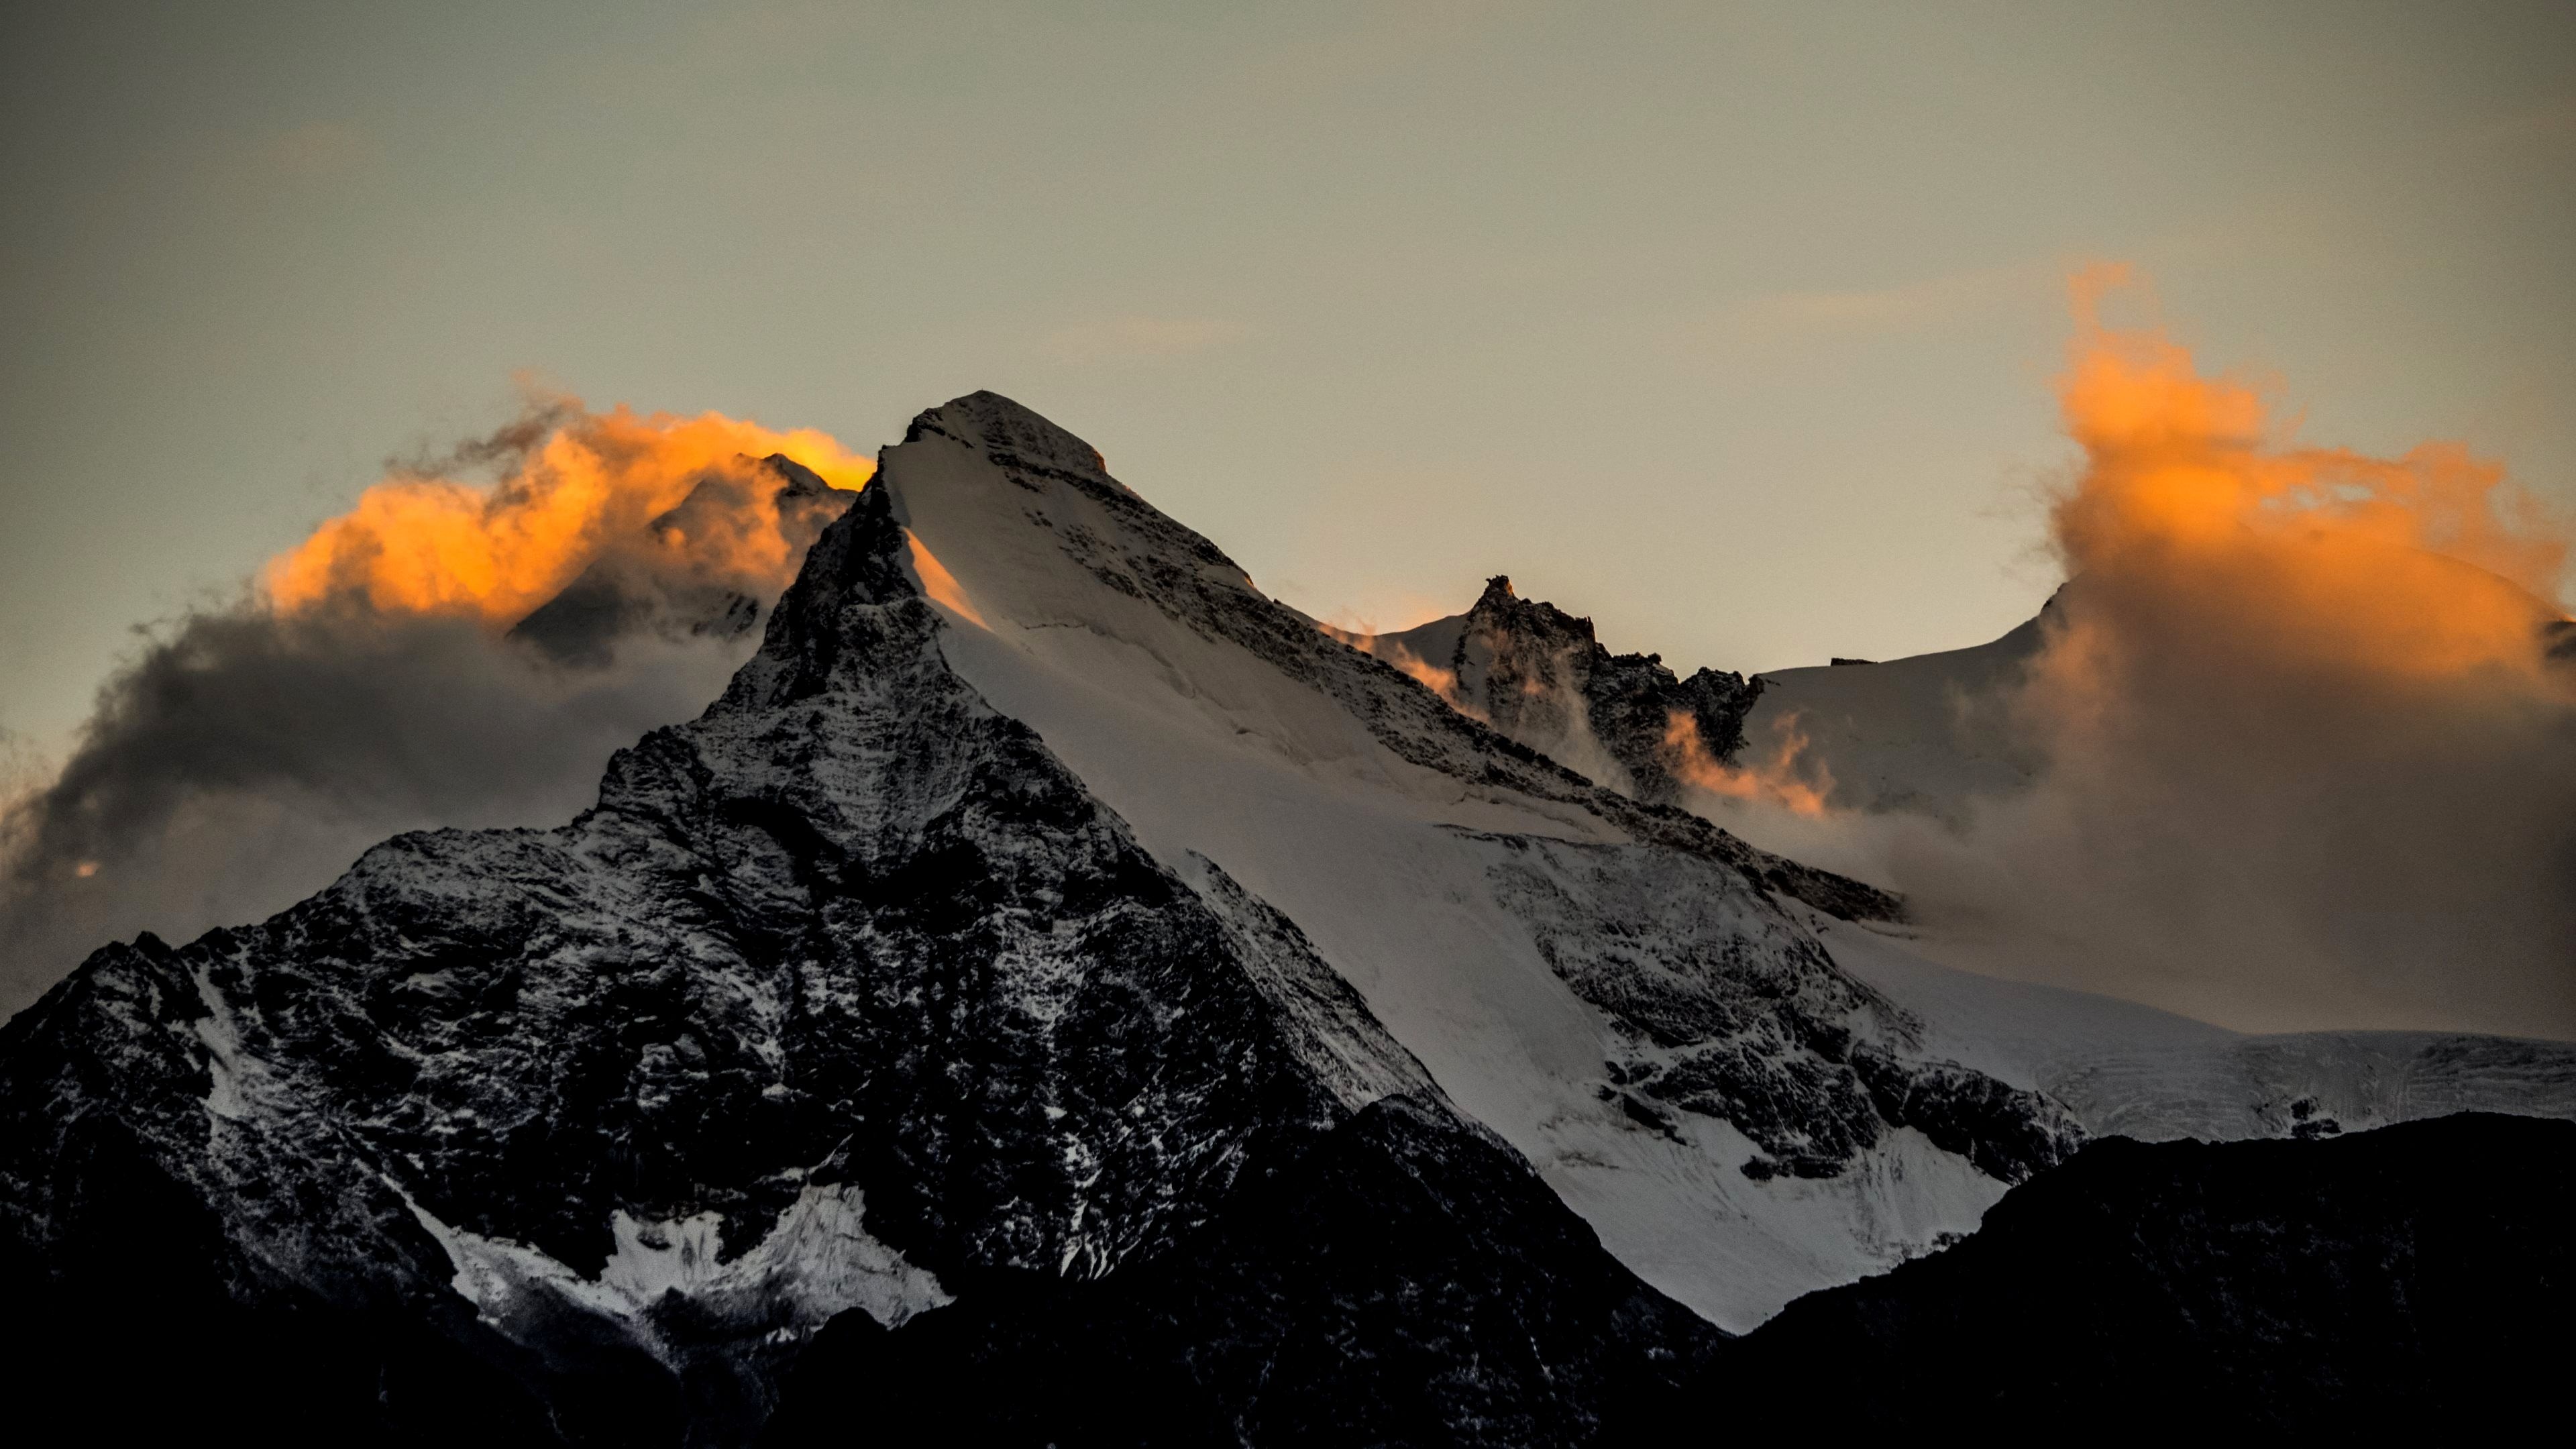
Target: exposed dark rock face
(850, 931)
(2008, 1133)
(1407, 1281)
(846, 996)
(1541, 677)
(2415, 1276)
(1728, 1013)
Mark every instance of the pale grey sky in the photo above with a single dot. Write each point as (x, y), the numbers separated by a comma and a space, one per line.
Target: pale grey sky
(1730, 325)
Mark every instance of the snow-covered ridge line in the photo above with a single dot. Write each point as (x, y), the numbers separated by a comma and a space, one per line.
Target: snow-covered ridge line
(1036, 903)
(1753, 1161)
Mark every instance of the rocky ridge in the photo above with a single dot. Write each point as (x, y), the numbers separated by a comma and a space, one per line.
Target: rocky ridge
(1539, 674)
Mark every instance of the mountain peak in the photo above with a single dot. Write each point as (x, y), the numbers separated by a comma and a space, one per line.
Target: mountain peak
(1007, 430)
(795, 479)
(1048, 946)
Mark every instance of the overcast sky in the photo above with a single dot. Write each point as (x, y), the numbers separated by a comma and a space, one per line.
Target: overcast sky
(1731, 326)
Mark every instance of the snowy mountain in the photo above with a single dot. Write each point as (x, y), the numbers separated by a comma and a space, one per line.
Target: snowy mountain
(1054, 962)
(1930, 734)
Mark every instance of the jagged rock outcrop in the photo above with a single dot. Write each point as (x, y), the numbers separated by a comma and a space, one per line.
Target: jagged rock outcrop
(1538, 673)
(1536, 676)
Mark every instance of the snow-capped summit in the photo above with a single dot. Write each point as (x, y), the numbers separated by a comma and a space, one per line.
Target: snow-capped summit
(1626, 993)
(1047, 939)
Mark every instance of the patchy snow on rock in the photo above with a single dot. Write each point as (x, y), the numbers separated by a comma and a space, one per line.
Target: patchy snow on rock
(818, 1260)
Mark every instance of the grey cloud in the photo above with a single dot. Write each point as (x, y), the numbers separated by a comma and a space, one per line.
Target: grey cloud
(2280, 847)
(2227, 831)
(245, 759)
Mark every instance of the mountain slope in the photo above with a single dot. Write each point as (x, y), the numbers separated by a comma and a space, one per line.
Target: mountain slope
(1736, 1155)
(1409, 1281)
(1931, 734)
(1048, 951)
(845, 992)
(1389, 826)
(849, 933)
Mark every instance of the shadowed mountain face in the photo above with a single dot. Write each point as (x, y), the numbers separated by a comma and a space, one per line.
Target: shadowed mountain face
(1407, 1281)
(1055, 985)
(2416, 1276)
(844, 993)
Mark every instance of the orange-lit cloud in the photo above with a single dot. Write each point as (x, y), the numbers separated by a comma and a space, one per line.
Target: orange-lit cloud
(2308, 718)
(1780, 775)
(2323, 556)
(579, 484)
(1436, 678)
(382, 681)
